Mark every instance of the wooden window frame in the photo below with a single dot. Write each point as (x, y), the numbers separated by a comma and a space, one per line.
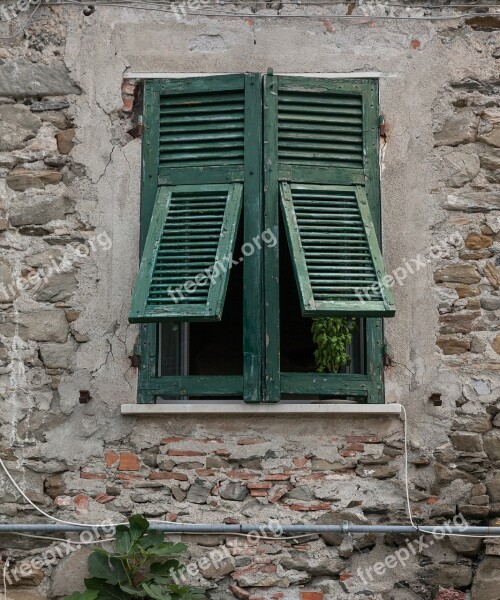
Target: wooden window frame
(262, 380)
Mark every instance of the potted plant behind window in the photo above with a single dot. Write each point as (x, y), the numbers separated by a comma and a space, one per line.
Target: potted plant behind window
(142, 567)
(332, 336)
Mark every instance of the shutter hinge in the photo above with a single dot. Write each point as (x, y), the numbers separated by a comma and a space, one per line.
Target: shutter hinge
(387, 355)
(381, 126)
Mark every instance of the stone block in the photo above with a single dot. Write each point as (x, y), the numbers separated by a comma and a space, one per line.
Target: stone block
(17, 125)
(20, 78)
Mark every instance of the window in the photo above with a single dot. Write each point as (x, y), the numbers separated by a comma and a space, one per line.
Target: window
(260, 212)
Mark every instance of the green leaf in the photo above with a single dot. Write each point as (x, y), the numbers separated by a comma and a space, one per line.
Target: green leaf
(165, 549)
(93, 583)
(131, 590)
(152, 538)
(112, 592)
(124, 542)
(109, 569)
(156, 592)
(138, 526)
(86, 595)
(164, 568)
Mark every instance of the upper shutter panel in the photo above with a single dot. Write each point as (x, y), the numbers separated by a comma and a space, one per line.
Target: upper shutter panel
(199, 139)
(327, 164)
(202, 130)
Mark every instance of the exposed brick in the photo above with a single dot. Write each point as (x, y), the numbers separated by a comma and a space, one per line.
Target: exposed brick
(185, 453)
(128, 462)
(171, 440)
(344, 576)
(239, 592)
(258, 493)
(128, 88)
(222, 452)
(128, 103)
(241, 475)
(311, 595)
(81, 502)
(277, 477)
(89, 475)
(205, 472)
(277, 493)
(165, 475)
(300, 462)
(111, 458)
(104, 498)
(356, 448)
(259, 485)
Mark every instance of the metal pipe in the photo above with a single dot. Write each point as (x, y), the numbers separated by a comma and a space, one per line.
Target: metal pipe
(258, 527)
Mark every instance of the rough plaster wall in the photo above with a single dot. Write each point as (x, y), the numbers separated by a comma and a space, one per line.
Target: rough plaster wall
(91, 460)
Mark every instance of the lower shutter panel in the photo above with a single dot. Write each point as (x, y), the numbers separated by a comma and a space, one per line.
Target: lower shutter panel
(337, 260)
(188, 252)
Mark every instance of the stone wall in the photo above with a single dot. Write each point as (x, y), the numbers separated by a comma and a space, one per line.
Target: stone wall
(69, 206)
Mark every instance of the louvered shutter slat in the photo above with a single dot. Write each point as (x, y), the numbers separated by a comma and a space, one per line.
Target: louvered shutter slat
(186, 259)
(322, 165)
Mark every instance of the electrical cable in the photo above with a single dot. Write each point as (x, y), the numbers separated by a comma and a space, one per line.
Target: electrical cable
(421, 528)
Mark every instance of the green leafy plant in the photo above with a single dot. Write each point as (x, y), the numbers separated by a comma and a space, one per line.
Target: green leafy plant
(332, 335)
(142, 567)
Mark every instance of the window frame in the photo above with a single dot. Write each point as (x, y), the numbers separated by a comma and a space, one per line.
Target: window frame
(261, 380)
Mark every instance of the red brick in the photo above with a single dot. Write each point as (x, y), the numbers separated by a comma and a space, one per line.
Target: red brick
(81, 502)
(448, 594)
(111, 458)
(277, 596)
(239, 592)
(415, 44)
(205, 472)
(311, 595)
(128, 88)
(432, 500)
(300, 462)
(277, 477)
(104, 498)
(356, 448)
(344, 576)
(171, 440)
(241, 475)
(63, 501)
(347, 453)
(128, 103)
(88, 475)
(222, 452)
(258, 493)
(128, 462)
(185, 453)
(250, 441)
(163, 475)
(171, 517)
(310, 507)
(259, 485)
(277, 493)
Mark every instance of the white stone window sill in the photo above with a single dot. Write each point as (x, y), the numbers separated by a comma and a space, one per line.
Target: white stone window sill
(239, 408)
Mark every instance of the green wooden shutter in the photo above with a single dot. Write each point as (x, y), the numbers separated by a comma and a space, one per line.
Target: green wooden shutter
(324, 168)
(199, 147)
